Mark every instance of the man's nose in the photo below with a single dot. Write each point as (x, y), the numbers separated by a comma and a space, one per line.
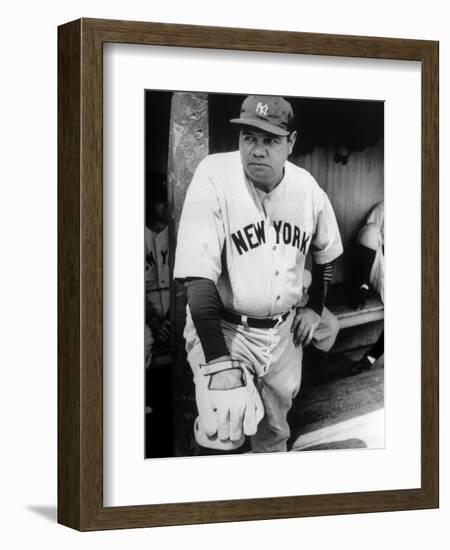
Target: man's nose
(259, 150)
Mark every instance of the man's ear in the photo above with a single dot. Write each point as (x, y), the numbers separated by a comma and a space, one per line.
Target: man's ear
(291, 140)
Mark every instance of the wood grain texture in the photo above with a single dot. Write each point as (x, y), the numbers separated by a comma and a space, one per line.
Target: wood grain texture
(188, 145)
(353, 190)
(80, 399)
(196, 36)
(430, 273)
(69, 406)
(91, 276)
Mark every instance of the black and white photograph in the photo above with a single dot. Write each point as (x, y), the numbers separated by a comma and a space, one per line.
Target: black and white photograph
(198, 297)
(264, 274)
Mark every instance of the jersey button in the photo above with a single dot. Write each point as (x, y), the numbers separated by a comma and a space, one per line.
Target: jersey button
(278, 297)
(277, 272)
(274, 247)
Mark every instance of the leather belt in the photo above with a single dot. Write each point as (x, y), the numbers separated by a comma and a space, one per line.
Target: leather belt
(255, 322)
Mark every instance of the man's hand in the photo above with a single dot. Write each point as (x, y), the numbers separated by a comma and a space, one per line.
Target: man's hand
(148, 340)
(227, 380)
(163, 334)
(228, 403)
(304, 325)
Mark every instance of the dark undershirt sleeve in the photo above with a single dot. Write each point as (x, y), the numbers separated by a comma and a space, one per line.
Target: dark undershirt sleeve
(206, 306)
(322, 274)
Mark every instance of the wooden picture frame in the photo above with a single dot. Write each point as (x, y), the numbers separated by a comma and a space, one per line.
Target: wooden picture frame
(80, 272)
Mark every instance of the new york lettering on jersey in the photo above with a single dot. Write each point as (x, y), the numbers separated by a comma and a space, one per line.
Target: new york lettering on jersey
(252, 244)
(157, 270)
(254, 234)
(267, 237)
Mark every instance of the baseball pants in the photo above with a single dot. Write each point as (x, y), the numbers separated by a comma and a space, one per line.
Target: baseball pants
(270, 354)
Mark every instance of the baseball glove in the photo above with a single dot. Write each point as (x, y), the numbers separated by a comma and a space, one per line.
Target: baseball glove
(226, 416)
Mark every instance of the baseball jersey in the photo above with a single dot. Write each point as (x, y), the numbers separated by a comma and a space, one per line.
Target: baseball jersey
(253, 244)
(376, 216)
(157, 270)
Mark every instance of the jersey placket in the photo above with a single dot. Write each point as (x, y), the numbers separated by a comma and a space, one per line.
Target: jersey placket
(276, 266)
(263, 202)
(267, 206)
(276, 255)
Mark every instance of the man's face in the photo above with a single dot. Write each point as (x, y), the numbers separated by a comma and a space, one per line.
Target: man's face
(161, 213)
(263, 155)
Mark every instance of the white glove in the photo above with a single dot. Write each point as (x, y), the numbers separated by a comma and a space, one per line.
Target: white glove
(226, 416)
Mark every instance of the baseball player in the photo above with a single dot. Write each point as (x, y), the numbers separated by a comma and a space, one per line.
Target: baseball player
(370, 265)
(370, 256)
(157, 330)
(249, 220)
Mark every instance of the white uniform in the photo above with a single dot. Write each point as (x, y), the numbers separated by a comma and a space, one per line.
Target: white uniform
(265, 236)
(157, 270)
(376, 217)
(253, 245)
(372, 235)
(156, 280)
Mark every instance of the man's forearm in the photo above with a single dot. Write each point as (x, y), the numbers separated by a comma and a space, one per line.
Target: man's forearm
(206, 306)
(322, 275)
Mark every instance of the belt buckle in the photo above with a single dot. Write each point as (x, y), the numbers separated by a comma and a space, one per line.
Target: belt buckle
(244, 321)
(279, 318)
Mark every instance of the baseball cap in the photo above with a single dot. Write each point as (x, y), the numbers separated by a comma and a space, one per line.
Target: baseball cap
(269, 113)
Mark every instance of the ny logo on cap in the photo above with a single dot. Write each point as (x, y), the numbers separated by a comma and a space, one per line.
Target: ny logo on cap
(261, 109)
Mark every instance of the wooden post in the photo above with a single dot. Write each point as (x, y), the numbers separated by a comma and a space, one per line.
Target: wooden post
(188, 144)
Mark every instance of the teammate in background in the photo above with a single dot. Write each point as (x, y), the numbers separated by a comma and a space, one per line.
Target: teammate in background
(157, 330)
(370, 266)
(370, 256)
(249, 219)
